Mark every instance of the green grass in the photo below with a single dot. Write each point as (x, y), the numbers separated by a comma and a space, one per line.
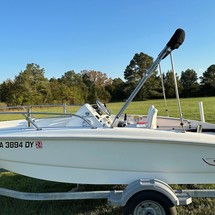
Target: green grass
(9, 206)
(189, 107)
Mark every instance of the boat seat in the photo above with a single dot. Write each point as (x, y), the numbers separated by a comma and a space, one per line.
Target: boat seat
(145, 121)
(149, 110)
(152, 118)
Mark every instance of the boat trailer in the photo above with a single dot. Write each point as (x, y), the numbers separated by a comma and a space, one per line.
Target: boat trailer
(144, 196)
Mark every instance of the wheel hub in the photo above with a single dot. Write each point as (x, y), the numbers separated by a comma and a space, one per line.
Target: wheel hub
(149, 208)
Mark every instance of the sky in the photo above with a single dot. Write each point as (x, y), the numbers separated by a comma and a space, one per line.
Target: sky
(102, 35)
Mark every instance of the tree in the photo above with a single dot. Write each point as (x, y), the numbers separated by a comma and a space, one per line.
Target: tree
(103, 95)
(135, 71)
(91, 89)
(96, 82)
(76, 89)
(58, 91)
(97, 77)
(7, 90)
(208, 81)
(170, 85)
(116, 90)
(137, 67)
(189, 82)
(31, 87)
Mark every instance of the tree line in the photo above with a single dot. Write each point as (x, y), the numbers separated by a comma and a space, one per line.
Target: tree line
(32, 87)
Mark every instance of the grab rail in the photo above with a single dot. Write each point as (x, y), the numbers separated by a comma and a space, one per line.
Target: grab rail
(27, 116)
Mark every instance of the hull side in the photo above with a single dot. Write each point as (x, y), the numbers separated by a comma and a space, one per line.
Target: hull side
(97, 176)
(95, 159)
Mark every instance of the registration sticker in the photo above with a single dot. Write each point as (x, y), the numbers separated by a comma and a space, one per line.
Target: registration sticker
(39, 144)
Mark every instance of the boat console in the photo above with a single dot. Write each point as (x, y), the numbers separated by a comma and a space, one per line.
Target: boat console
(95, 116)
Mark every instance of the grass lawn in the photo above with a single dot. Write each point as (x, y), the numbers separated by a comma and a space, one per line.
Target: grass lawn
(9, 206)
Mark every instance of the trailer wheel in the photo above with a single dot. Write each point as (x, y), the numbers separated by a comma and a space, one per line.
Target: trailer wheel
(149, 203)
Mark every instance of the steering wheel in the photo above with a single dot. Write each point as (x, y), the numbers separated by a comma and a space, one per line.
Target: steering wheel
(102, 107)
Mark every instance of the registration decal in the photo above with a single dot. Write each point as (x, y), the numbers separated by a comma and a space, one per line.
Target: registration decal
(21, 144)
(39, 144)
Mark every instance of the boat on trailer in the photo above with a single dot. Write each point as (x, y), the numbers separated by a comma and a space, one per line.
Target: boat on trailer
(95, 147)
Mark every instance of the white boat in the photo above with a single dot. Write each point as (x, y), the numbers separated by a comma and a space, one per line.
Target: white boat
(94, 147)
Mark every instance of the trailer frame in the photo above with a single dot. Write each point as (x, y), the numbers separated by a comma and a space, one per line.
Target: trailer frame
(142, 188)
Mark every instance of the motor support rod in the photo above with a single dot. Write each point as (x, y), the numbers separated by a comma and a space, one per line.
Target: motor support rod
(177, 93)
(163, 88)
(175, 41)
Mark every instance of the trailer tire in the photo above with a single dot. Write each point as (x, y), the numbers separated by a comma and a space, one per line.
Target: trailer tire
(149, 203)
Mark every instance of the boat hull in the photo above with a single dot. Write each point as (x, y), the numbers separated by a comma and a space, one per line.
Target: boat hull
(110, 156)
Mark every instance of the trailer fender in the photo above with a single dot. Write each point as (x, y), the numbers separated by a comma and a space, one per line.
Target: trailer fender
(143, 185)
